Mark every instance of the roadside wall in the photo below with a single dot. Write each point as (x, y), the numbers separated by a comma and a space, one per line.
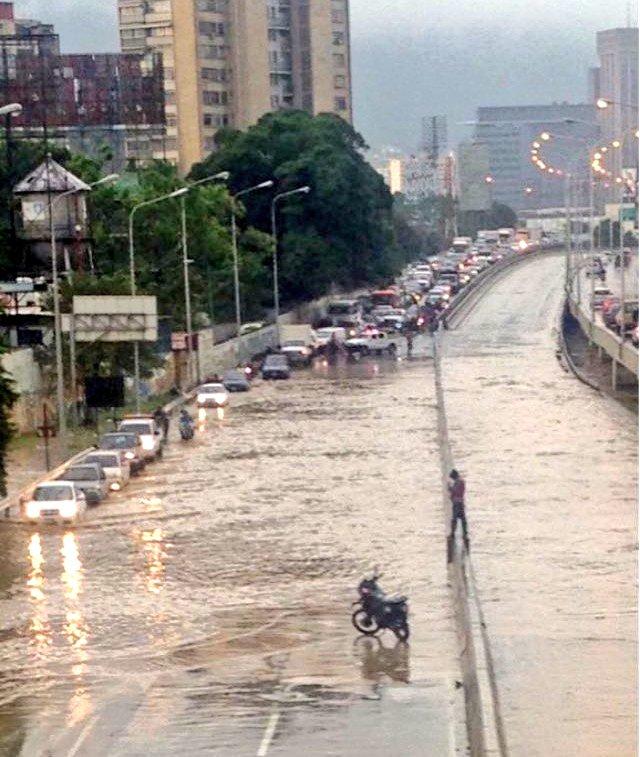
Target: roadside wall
(26, 374)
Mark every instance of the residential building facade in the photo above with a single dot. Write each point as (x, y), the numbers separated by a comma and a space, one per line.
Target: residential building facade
(85, 102)
(228, 62)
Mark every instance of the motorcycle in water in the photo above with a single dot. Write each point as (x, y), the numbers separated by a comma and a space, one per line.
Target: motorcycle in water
(377, 611)
(187, 431)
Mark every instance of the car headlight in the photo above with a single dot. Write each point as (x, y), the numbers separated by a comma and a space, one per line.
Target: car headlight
(115, 486)
(201, 399)
(33, 510)
(147, 443)
(130, 455)
(68, 509)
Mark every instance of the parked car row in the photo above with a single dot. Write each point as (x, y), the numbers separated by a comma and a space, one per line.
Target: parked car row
(88, 480)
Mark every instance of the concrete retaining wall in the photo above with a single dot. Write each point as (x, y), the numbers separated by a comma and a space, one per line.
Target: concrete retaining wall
(27, 376)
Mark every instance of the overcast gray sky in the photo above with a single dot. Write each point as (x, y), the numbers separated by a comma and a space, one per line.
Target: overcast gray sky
(422, 57)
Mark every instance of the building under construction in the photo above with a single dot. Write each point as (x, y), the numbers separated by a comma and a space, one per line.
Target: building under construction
(98, 104)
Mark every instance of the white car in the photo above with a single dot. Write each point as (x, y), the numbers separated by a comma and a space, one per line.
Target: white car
(115, 466)
(150, 436)
(55, 502)
(325, 335)
(212, 395)
(372, 342)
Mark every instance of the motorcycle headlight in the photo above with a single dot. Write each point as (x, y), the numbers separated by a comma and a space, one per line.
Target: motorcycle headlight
(33, 510)
(68, 509)
(147, 443)
(115, 486)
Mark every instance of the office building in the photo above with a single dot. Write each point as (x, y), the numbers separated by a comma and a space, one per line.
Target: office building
(227, 62)
(618, 86)
(508, 134)
(85, 102)
(474, 192)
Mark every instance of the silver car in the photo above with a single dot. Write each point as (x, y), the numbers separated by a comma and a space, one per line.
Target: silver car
(88, 478)
(115, 466)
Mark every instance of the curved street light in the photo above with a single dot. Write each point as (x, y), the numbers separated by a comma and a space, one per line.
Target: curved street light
(57, 317)
(132, 273)
(221, 176)
(274, 233)
(234, 246)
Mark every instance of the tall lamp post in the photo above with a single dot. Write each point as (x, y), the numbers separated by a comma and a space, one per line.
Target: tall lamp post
(8, 111)
(274, 233)
(234, 247)
(57, 318)
(132, 273)
(222, 176)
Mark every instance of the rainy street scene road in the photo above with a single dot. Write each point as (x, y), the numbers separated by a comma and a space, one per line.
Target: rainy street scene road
(210, 602)
(319, 359)
(552, 477)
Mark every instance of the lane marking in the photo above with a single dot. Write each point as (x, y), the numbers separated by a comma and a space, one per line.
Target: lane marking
(269, 733)
(83, 735)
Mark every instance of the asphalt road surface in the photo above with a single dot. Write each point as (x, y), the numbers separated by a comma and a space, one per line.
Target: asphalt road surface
(206, 608)
(551, 474)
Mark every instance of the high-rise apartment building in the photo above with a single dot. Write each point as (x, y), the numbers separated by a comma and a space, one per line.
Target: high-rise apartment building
(85, 102)
(618, 85)
(227, 62)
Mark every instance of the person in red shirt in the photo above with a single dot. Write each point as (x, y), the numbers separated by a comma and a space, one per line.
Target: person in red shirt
(456, 493)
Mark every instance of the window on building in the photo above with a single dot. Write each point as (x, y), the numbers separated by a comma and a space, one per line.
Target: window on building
(211, 28)
(273, 58)
(275, 102)
(340, 81)
(338, 60)
(337, 16)
(338, 38)
(273, 35)
(340, 103)
(214, 74)
(212, 6)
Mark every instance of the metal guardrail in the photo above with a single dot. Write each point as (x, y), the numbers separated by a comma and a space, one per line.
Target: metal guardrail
(620, 350)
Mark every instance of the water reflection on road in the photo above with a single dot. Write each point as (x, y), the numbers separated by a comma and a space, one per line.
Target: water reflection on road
(220, 581)
(551, 469)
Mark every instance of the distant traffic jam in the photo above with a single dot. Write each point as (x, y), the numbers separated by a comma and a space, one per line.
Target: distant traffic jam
(378, 323)
(621, 320)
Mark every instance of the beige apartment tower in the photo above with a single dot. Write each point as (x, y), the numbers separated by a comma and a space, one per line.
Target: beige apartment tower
(227, 62)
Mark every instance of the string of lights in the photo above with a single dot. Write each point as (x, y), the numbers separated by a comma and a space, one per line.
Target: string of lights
(597, 157)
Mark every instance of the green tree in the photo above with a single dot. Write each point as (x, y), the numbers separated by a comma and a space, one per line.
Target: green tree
(342, 232)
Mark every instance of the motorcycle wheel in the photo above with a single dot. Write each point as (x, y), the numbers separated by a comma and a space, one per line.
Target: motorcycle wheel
(365, 623)
(402, 632)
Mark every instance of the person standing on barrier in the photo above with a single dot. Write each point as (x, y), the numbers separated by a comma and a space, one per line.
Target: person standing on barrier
(457, 489)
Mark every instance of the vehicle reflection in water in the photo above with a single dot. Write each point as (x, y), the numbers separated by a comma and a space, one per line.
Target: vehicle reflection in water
(202, 419)
(75, 628)
(220, 411)
(39, 624)
(379, 661)
(155, 556)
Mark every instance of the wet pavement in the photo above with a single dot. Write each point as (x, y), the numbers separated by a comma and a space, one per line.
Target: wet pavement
(206, 608)
(551, 479)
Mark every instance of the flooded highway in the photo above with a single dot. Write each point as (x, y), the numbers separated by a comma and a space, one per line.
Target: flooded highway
(206, 608)
(551, 481)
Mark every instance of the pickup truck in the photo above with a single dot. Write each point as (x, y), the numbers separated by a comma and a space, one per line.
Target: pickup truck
(372, 343)
(145, 427)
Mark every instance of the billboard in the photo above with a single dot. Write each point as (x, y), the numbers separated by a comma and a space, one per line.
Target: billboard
(115, 318)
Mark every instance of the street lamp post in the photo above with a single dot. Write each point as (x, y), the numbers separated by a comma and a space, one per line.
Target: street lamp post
(57, 317)
(222, 176)
(9, 111)
(132, 275)
(234, 248)
(274, 234)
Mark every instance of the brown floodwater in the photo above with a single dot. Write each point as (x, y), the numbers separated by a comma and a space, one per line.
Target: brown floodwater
(218, 585)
